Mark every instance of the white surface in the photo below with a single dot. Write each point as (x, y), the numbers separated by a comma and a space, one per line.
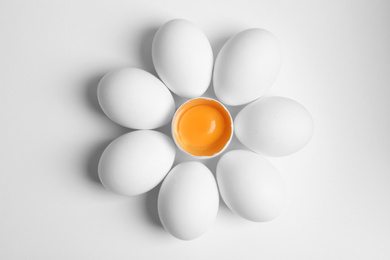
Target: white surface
(336, 63)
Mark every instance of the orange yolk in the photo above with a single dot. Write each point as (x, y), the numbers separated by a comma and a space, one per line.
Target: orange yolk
(202, 127)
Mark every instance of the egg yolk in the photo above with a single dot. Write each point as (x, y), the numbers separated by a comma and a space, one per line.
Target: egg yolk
(202, 127)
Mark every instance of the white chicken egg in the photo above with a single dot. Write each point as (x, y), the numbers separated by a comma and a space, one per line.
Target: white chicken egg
(188, 200)
(183, 58)
(135, 98)
(274, 126)
(136, 162)
(250, 185)
(247, 66)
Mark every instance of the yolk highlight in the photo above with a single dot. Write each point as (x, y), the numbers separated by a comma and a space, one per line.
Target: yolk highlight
(202, 127)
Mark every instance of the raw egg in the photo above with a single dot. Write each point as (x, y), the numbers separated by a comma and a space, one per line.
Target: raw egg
(202, 127)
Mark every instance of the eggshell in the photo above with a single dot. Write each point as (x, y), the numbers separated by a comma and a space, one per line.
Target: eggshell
(183, 58)
(274, 126)
(188, 200)
(136, 162)
(250, 185)
(135, 98)
(247, 66)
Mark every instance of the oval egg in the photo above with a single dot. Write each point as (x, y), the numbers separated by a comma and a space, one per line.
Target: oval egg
(183, 58)
(274, 126)
(136, 162)
(188, 200)
(247, 66)
(135, 98)
(250, 185)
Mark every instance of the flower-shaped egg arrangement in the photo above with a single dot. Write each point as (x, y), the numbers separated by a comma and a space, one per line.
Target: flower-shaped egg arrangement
(244, 70)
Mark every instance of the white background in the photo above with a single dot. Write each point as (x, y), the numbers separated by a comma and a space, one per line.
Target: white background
(52, 131)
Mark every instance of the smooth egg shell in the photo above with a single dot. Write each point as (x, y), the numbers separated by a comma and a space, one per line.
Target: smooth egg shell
(183, 58)
(250, 185)
(188, 200)
(136, 162)
(274, 126)
(247, 66)
(135, 98)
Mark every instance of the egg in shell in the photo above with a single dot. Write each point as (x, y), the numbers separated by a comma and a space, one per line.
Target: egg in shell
(274, 126)
(183, 58)
(136, 162)
(188, 200)
(250, 185)
(247, 66)
(135, 98)
(202, 127)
